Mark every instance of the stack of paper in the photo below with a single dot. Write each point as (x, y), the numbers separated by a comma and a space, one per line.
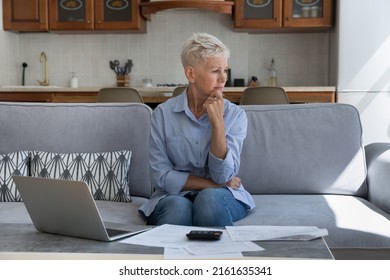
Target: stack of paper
(177, 246)
(259, 233)
(234, 240)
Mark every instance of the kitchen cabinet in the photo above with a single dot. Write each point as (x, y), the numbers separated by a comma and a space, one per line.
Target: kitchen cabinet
(48, 96)
(296, 95)
(150, 7)
(25, 15)
(283, 14)
(113, 15)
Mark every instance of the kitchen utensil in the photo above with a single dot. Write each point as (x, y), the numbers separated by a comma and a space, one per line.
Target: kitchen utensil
(114, 65)
(117, 68)
(122, 71)
(24, 65)
(129, 65)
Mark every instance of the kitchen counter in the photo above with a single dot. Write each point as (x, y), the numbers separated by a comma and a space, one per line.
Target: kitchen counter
(153, 95)
(144, 89)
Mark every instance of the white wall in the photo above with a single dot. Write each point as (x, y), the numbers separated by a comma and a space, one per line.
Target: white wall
(9, 54)
(301, 59)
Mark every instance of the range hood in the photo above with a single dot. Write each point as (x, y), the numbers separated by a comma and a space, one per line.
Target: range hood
(218, 6)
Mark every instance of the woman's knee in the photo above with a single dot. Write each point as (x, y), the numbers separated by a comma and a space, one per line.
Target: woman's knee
(172, 209)
(217, 207)
(210, 210)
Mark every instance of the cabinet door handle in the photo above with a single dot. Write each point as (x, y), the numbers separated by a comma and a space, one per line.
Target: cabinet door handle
(287, 18)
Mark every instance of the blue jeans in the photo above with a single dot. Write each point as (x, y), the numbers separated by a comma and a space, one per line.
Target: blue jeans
(210, 207)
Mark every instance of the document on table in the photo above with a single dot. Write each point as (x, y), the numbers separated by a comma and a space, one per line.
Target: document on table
(168, 236)
(173, 236)
(258, 233)
(179, 254)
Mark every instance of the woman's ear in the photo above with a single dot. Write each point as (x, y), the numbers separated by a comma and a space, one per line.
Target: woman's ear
(189, 72)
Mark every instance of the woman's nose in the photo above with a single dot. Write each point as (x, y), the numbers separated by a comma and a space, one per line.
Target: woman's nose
(223, 77)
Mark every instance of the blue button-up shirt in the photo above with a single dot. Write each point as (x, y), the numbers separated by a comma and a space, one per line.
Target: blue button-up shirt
(180, 146)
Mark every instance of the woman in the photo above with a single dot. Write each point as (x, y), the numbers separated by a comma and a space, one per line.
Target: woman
(195, 144)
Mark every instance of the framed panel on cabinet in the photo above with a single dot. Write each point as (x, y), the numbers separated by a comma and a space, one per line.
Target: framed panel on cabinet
(307, 13)
(257, 14)
(118, 15)
(71, 15)
(25, 15)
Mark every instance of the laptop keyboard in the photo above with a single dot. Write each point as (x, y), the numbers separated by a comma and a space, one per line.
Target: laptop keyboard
(115, 232)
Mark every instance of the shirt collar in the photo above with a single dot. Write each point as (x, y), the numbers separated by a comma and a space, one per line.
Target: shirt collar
(182, 102)
(182, 106)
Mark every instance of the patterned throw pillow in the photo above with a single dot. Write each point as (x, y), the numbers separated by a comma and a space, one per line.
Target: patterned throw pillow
(105, 173)
(16, 163)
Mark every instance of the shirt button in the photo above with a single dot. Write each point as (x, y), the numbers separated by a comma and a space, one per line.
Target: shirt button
(196, 142)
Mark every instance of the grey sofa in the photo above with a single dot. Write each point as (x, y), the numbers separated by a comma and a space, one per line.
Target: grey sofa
(304, 165)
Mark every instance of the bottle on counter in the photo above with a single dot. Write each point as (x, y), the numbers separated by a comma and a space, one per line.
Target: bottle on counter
(74, 82)
(272, 76)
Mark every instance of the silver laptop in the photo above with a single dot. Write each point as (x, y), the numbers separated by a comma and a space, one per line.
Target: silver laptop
(66, 208)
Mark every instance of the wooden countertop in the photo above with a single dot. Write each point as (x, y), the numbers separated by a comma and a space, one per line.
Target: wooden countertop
(148, 89)
(152, 94)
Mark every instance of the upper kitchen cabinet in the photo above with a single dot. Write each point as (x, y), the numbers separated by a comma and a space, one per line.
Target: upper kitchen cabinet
(257, 14)
(25, 15)
(109, 15)
(118, 15)
(71, 15)
(283, 14)
(308, 13)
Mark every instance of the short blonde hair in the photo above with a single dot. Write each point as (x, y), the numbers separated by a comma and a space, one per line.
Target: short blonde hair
(201, 46)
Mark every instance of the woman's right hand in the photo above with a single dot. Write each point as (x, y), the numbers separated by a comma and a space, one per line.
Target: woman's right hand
(233, 183)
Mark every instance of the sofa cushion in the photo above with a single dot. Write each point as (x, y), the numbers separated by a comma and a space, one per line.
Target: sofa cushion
(81, 128)
(106, 173)
(352, 222)
(303, 149)
(16, 163)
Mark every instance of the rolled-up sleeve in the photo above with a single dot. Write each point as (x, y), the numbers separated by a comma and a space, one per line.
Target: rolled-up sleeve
(222, 170)
(162, 174)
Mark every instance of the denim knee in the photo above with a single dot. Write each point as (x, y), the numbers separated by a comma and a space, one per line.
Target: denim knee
(211, 208)
(172, 209)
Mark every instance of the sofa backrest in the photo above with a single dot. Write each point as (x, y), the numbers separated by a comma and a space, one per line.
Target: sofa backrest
(81, 128)
(305, 148)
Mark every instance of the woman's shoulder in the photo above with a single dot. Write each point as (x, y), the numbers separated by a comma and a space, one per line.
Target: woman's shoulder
(232, 107)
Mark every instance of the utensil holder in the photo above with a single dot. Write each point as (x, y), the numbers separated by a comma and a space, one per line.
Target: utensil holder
(122, 80)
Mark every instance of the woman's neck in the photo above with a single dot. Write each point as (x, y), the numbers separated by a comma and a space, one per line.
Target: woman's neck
(195, 103)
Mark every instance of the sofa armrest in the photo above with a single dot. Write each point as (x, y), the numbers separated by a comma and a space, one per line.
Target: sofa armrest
(378, 174)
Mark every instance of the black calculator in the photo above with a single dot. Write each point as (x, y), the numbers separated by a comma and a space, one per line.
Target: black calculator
(204, 235)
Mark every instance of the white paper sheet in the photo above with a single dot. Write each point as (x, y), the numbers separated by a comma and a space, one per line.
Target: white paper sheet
(170, 236)
(257, 233)
(183, 254)
(174, 237)
(223, 247)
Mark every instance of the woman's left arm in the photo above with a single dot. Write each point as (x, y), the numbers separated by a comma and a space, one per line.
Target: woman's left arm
(223, 168)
